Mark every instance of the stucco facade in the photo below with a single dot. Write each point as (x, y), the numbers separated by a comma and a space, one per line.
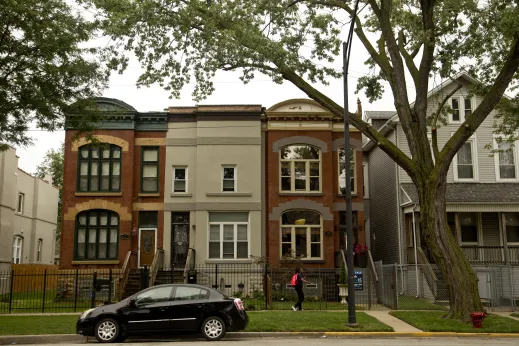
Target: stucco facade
(28, 214)
(304, 125)
(205, 146)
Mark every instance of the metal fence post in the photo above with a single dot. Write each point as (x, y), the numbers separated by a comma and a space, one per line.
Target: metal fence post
(44, 290)
(76, 289)
(11, 291)
(216, 276)
(368, 272)
(395, 287)
(110, 278)
(267, 288)
(93, 291)
(172, 273)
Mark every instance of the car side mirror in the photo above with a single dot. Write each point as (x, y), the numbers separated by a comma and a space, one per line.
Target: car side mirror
(132, 303)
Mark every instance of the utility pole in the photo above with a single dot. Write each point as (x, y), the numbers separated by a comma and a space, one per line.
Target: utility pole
(346, 50)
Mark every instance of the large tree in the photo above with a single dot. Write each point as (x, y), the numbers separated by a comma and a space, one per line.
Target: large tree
(299, 40)
(45, 65)
(53, 165)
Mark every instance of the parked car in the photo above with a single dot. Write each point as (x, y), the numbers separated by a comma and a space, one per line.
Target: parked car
(165, 308)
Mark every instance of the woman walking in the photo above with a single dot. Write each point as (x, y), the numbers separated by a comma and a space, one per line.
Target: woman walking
(297, 283)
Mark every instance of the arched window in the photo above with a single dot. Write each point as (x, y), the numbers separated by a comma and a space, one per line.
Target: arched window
(97, 235)
(99, 168)
(342, 171)
(300, 168)
(301, 234)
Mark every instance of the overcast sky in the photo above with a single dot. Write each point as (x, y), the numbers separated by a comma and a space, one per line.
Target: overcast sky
(229, 90)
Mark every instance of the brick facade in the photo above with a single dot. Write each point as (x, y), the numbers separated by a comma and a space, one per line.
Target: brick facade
(325, 202)
(127, 203)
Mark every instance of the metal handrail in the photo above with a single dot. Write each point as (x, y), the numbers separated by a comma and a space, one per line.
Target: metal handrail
(124, 274)
(158, 262)
(430, 276)
(372, 266)
(190, 261)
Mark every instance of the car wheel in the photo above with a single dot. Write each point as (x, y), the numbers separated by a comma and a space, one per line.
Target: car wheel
(213, 328)
(107, 330)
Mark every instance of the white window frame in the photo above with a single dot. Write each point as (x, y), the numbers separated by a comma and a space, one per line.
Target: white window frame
(307, 170)
(17, 249)
(461, 108)
(308, 237)
(496, 161)
(21, 203)
(235, 239)
(365, 180)
(355, 181)
(429, 139)
(174, 180)
(39, 250)
(235, 168)
(474, 152)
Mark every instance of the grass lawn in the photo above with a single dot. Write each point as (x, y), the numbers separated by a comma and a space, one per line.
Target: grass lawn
(260, 321)
(515, 315)
(412, 303)
(311, 321)
(255, 304)
(432, 321)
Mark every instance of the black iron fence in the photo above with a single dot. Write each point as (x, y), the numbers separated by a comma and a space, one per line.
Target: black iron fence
(260, 286)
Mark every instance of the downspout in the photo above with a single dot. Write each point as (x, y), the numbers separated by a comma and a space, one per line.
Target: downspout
(415, 255)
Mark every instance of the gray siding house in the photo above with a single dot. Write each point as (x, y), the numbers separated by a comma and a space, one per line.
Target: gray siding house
(482, 191)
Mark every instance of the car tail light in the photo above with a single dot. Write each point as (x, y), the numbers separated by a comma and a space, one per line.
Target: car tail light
(239, 304)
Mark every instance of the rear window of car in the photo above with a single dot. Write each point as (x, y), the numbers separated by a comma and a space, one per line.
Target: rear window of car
(191, 293)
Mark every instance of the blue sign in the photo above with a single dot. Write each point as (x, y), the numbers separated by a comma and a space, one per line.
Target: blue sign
(358, 281)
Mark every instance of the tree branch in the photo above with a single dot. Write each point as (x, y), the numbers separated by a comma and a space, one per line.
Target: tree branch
(411, 66)
(490, 100)
(382, 142)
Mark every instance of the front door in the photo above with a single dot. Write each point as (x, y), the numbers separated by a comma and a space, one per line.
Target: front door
(147, 246)
(179, 238)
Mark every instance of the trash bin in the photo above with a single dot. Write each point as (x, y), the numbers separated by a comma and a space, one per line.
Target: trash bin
(191, 277)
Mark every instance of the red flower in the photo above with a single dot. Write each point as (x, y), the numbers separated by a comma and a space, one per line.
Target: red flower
(361, 249)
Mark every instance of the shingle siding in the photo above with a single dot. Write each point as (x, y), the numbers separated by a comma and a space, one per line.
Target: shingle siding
(383, 205)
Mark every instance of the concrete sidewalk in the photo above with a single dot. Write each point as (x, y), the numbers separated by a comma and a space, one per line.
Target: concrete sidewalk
(397, 324)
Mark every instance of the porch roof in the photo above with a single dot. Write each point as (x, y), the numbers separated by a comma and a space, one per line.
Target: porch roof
(468, 193)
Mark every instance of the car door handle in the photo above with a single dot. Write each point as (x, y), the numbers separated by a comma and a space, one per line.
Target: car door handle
(162, 309)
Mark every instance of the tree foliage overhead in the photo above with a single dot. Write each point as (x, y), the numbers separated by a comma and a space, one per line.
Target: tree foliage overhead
(408, 42)
(44, 66)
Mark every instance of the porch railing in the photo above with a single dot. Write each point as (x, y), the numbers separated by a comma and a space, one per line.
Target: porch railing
(491, 254)
(158, 263)
(125, 272)
(190, 262)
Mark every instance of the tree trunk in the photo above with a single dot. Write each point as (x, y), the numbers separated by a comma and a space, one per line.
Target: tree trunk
(461, 281)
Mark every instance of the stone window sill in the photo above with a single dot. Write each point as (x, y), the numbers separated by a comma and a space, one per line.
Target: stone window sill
(96, 262)
(310, 194)
(181, 194)
(229, 194)
(98, 194)
(227, 261)
(144, 194)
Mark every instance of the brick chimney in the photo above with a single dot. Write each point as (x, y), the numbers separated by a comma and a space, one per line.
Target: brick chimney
(359, 107)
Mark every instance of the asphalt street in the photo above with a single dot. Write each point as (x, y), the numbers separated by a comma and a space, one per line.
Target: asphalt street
(437, 341)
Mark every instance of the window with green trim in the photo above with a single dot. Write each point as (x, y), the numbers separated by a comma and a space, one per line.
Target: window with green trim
(97, 235)
(150, 169)
(99, 168)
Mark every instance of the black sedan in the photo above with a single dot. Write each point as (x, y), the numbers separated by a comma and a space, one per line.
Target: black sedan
(165, 308)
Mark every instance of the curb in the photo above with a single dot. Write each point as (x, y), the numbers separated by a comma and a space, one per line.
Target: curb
(73, 338)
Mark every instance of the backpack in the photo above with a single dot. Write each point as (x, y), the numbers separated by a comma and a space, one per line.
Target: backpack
(294, 280)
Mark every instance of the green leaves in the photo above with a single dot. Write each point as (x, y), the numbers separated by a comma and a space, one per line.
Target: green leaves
(43, 65)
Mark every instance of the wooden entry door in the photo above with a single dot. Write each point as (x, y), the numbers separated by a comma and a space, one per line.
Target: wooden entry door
(147, 246)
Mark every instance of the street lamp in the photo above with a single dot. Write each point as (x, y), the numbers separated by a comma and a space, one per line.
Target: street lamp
(346, 50)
